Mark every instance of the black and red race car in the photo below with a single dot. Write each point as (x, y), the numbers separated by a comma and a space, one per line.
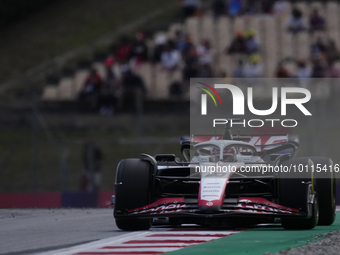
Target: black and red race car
(226, 180)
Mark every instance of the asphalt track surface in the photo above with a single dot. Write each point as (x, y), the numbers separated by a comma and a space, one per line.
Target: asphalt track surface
(24, 231)
(93, 231)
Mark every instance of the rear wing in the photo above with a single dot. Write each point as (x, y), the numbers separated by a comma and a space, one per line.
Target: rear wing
(261, 142)
(265, 144)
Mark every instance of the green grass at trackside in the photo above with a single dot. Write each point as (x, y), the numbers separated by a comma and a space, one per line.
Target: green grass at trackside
(64, 26)
(258, 241)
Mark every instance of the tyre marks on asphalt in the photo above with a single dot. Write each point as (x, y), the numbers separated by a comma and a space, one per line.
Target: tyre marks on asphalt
(155, 241)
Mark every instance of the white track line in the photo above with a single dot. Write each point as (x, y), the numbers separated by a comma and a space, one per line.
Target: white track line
(157, 240)
(96, 244)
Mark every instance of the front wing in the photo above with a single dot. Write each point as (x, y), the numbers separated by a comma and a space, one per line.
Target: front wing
(185, 207)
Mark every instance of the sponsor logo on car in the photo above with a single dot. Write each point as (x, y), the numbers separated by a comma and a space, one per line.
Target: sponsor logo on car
(171, 208)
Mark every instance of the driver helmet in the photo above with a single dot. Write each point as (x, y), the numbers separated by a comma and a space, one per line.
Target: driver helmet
(229, 155)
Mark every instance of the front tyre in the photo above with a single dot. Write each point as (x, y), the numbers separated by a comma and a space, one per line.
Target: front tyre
(326, 189)
(132, 190)
(309, 223)
(298, 192)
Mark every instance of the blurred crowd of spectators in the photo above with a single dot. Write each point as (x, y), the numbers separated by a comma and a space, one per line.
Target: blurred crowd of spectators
(232, 7)
(121, 83)
(323, 57)
(298, 23)
(323, 54)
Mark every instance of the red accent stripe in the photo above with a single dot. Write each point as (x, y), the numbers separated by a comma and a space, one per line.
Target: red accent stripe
(120, 252)
(166, 241)
(213, 90)
(146, 246)
(161, 202)
(191, 235)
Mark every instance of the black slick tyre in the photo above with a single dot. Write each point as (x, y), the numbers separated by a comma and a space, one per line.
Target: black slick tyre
(326, 189)
(299, 193)
(132, 190)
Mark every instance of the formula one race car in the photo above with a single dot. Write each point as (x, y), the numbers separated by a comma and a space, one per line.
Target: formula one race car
(226, 181)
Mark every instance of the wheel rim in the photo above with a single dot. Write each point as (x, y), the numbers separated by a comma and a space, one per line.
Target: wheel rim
(315, 204)
(334, 195)
(316, 209)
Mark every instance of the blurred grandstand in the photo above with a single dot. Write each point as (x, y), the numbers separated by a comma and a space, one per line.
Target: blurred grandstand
(44, 134)
(202, 40)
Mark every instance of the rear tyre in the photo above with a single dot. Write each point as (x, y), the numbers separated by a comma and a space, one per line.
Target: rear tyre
(326, 190)
(132, 190)
(296, 193)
